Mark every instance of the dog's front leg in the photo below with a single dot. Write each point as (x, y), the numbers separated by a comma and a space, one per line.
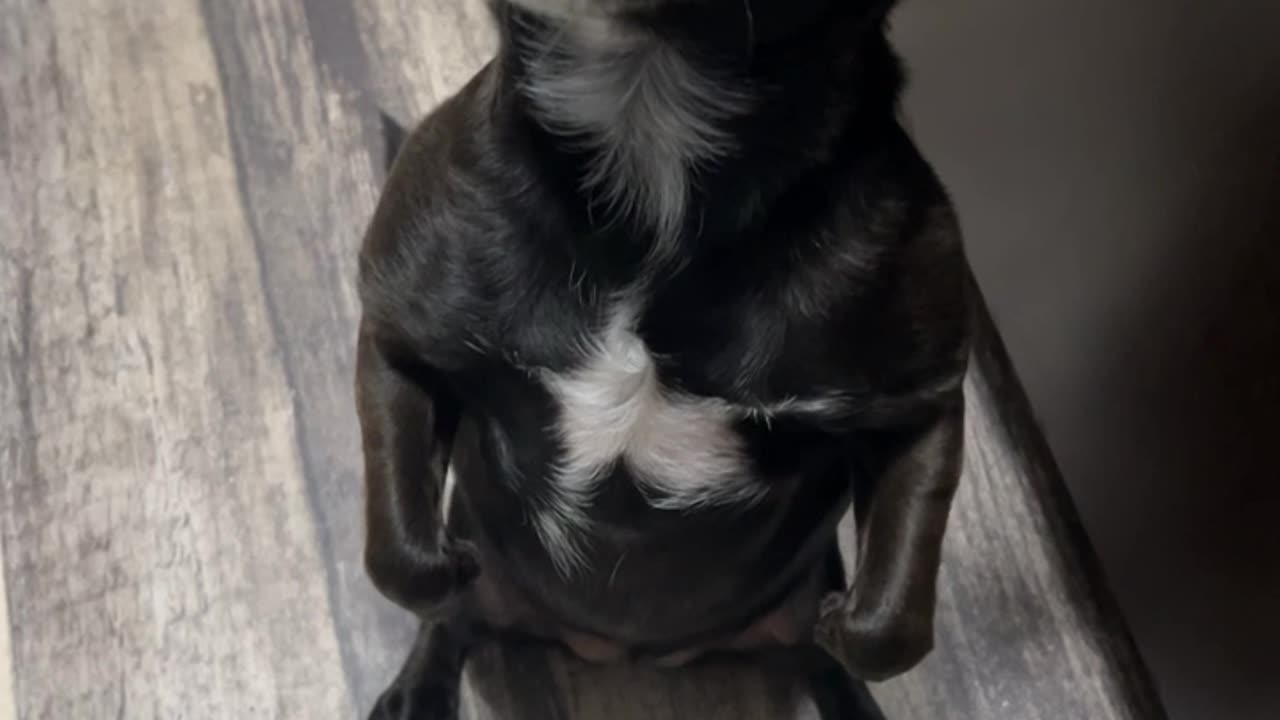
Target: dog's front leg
(884, 624)
(407, 421)
(428, 687)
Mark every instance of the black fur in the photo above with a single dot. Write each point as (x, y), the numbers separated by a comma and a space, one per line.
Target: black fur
(823, 255)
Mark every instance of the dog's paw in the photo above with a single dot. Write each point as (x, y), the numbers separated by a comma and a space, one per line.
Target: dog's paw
(872, 647)
(428, 579)
(416, 703)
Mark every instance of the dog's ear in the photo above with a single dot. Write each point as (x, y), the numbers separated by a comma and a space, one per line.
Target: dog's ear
(393, 136)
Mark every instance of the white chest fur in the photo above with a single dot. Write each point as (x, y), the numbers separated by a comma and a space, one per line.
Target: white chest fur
(649, 116)
(681, 450)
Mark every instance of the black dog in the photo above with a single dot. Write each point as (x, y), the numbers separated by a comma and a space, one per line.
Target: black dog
(646, 305)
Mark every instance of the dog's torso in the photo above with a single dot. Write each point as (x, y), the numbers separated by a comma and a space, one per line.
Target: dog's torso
(653, 451)
(655, 446)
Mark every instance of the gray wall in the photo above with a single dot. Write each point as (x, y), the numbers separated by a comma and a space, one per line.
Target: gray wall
(1117, 170)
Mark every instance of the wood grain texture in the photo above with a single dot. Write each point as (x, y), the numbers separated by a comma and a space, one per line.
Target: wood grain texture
(7, 710)
(10, 279)
(160, 556)
(300, 131)
(184, 185)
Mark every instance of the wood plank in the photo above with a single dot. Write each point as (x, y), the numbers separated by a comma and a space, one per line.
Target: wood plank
(10, 281)
(420, 53)
(157, 541)
(301, 129)
(7, 710)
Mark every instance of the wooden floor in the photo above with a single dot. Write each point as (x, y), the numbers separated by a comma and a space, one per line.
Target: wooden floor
(183, 184)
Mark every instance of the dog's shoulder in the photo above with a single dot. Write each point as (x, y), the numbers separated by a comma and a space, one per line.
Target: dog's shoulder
(922, 323)
(421, 259)
(884, 278)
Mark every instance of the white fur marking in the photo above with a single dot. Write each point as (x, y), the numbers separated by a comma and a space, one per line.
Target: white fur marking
(682, 451)
(830, 405)
(446, 496)
(561, 527)
(614, 408)
(650, 117)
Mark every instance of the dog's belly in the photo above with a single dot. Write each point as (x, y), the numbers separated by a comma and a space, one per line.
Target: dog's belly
(789, 622)
(662, 583)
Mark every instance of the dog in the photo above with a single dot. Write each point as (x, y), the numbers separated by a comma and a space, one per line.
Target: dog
(647, 305)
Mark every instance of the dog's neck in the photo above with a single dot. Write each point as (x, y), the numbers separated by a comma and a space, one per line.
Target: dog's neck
(666, 126)
(646, 116)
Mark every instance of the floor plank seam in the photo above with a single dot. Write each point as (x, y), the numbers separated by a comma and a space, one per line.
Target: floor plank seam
(324, 543)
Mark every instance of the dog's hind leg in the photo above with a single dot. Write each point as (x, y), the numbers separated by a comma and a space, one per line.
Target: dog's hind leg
(429, 685)
(836, 693)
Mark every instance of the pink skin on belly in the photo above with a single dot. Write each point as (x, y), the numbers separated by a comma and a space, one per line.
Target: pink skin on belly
(790, 624)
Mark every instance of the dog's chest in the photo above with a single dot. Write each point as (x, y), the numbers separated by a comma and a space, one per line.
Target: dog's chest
(622, 413)
(614, 408)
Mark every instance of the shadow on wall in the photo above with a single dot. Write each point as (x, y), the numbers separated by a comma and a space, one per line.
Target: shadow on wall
(1117, 168)
(1189, 393)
